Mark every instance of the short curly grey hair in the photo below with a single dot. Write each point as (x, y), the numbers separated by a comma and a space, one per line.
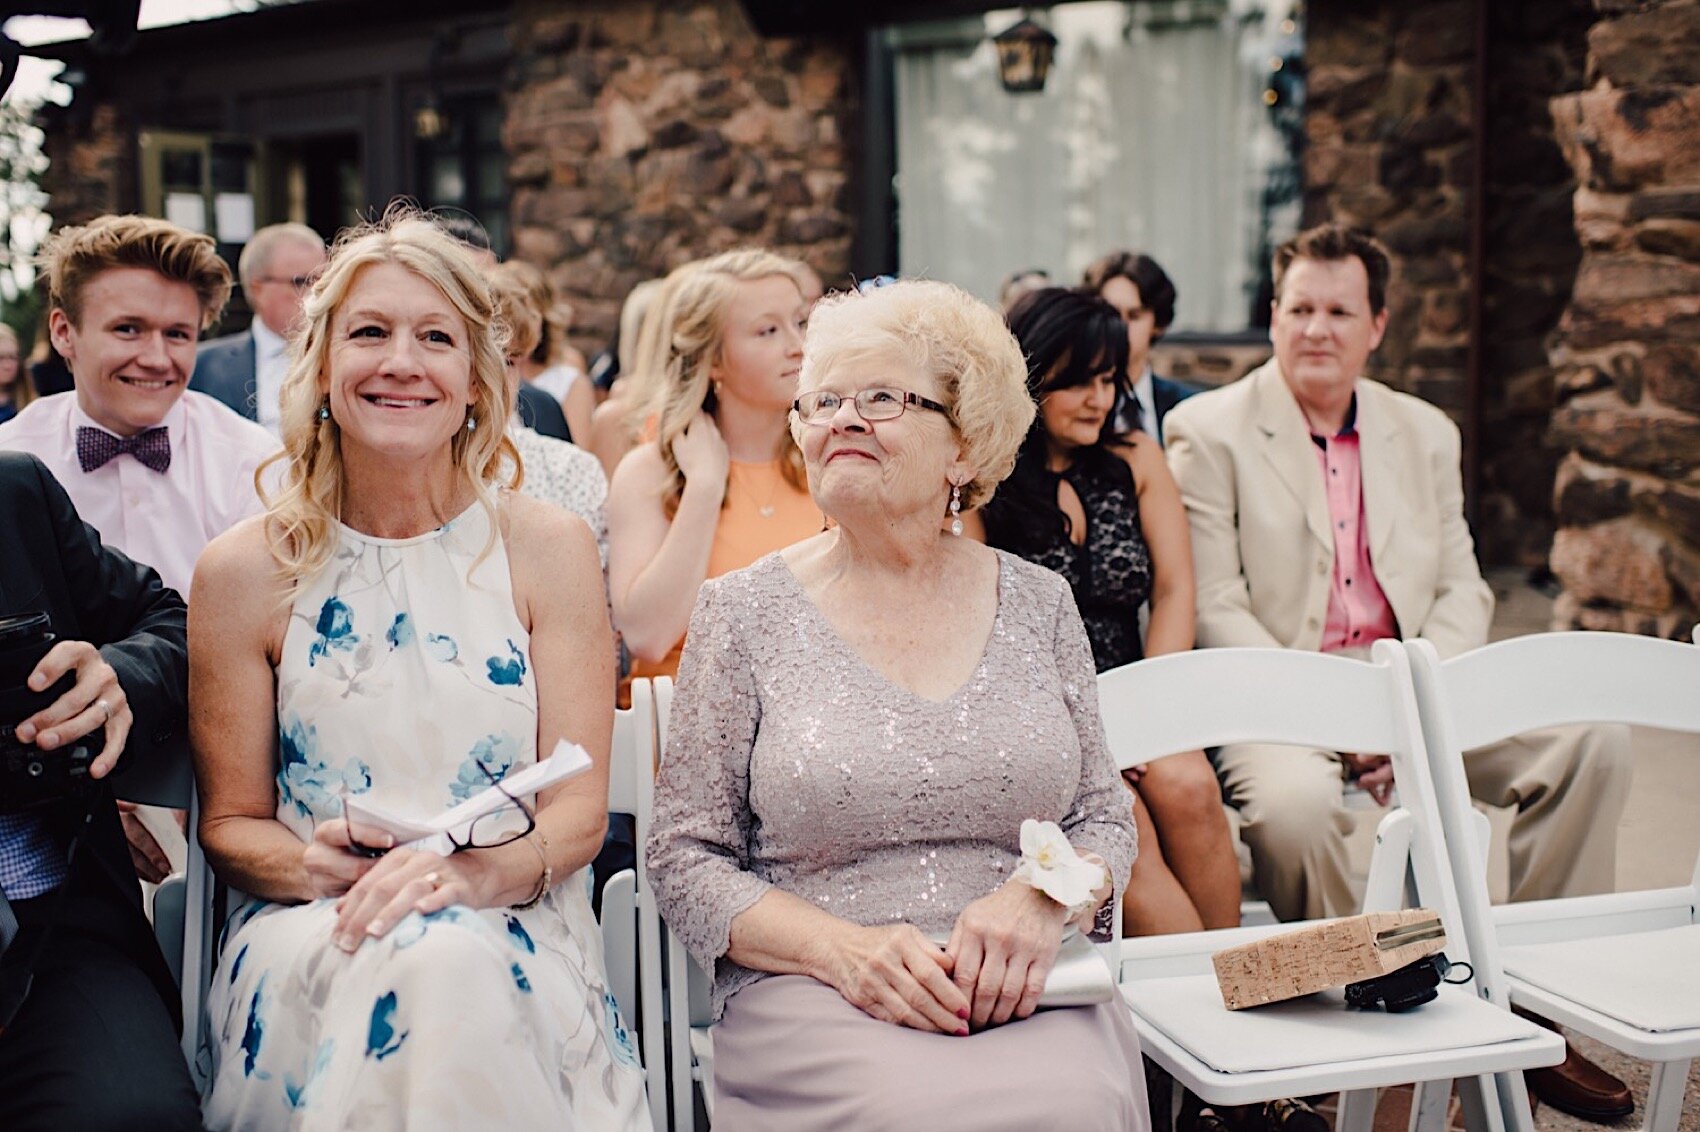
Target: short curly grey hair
(942, 330)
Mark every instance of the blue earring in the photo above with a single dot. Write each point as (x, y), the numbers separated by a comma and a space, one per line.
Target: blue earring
(325, 410)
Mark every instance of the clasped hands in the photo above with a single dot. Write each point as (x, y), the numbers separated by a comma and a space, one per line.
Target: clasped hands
(992, 970)
(374, 894)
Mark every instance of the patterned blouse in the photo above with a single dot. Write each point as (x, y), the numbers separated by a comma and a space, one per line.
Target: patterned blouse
(792, 763)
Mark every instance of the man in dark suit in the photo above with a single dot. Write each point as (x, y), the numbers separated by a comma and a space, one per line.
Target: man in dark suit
(246, 370)
(93, 1044)
(1144, 295)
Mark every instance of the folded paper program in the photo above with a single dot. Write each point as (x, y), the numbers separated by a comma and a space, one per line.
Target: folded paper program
(438, 834)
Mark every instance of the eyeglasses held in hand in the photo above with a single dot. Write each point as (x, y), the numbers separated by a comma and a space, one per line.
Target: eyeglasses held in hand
(486, 832)
(871, 405)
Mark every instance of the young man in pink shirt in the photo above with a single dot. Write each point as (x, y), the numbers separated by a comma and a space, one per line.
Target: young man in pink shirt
(157, 470)
(1327, 512)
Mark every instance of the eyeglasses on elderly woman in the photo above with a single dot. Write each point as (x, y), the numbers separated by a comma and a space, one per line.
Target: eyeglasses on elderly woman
(877, 404)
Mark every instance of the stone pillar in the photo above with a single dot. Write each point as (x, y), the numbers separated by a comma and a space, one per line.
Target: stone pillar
(1387, 124)
(1536, 50)
(642, 135)
(1628, 352)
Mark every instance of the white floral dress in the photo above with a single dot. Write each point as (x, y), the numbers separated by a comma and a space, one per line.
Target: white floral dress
(405, 669)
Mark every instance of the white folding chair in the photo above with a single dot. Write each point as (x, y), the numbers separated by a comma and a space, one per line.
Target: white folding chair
(631, 930)
(1618, 967)
(181, 902)
(1212, 697)
(689, 1009)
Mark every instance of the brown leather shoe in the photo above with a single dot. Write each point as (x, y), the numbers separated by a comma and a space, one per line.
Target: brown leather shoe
(1576, 1085)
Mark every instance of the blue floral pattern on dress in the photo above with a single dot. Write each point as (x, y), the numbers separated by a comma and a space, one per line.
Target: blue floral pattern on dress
(624, 1051)
(520, 935)
(335, 631)
(254, 1032)
(381, 1038)
(400, 633)
(441, 647)
(509, 670)
(301, 1096)
(494, 754)
(306, 781)
(520, 980)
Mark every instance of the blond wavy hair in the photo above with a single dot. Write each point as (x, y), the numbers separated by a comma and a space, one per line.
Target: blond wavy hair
(946, 332)
(695, 334)
(517, 305)
(643, 382)
(303, 513)
(72, 257)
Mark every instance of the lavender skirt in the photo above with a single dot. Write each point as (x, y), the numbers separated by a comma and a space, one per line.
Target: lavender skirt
(790, 1053)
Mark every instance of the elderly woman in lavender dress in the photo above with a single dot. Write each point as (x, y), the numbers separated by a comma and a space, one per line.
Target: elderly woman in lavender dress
(863, 723)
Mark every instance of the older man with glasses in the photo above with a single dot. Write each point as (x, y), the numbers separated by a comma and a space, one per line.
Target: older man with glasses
(246, 370)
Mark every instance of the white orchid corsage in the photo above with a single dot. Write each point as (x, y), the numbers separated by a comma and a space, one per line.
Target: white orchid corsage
(1053, 866)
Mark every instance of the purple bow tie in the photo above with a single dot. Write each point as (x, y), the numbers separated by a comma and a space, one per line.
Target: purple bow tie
(96, 447)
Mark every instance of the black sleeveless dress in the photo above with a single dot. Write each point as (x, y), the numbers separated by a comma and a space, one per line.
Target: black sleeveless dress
(1109, 572)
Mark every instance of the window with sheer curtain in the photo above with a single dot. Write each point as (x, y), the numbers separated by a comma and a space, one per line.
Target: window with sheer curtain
(1166, 127)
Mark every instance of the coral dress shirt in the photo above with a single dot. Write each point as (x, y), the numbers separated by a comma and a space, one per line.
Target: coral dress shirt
(1358, 610)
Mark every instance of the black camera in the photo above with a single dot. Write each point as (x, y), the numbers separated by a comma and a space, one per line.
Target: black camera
(30, 776)
(1405, 989)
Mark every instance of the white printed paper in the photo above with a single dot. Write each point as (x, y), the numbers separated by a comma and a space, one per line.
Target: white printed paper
(432, 835)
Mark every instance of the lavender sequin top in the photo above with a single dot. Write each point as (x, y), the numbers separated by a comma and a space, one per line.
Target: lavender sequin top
(792, 763)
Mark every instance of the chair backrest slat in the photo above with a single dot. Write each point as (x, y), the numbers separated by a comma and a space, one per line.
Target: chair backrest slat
(1551, 679)
(1212, 697)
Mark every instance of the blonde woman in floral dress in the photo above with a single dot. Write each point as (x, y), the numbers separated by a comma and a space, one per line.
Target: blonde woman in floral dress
(402, 627)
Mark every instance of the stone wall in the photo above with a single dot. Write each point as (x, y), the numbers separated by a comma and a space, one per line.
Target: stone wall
(1536, 50)
(643, 135)
(1628, 491)
(1387, 127)
(1390, 100)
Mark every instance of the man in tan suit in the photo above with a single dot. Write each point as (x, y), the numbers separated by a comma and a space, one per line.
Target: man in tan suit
(1326, 513)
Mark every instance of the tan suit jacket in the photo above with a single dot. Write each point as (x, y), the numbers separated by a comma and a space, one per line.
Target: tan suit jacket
(1261, 540)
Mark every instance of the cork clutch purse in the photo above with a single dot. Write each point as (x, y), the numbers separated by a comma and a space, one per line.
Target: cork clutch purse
(1332, 953)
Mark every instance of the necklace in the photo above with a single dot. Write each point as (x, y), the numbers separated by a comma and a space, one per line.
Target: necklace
(765, 510)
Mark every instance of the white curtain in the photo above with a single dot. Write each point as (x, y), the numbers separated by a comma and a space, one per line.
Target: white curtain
(1151, 134)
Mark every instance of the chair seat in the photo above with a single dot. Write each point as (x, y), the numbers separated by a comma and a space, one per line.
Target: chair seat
(1314, 1045)
(1616, 987)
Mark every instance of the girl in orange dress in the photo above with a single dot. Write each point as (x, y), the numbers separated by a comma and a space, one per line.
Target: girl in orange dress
(722, 483)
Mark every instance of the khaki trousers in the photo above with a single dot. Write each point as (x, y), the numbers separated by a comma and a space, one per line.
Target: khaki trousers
(1567, 784)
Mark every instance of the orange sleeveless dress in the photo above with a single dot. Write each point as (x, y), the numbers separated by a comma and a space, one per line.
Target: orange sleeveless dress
(762, 513)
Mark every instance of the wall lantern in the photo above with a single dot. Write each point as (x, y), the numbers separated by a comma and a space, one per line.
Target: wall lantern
(1024, 56)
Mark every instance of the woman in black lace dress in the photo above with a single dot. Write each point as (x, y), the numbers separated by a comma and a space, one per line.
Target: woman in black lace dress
(1103, 511)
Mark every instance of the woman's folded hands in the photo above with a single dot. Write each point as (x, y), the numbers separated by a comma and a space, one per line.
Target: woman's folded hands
(375, 893)
(895, 973)
(1002, 949)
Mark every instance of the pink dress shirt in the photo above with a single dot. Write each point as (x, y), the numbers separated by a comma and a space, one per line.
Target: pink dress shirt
(1358, 612)
(164, 520)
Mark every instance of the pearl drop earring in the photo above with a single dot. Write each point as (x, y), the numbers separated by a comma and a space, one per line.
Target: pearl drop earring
(956, 510)
(325, 410)
(471, 422)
